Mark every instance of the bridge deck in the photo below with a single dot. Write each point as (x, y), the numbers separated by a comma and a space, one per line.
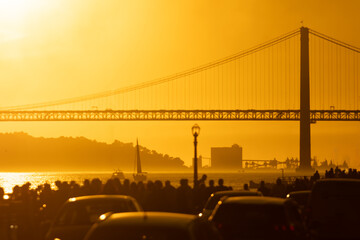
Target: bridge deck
(156, 115)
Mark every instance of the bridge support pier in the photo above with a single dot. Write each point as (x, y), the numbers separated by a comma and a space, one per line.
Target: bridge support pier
(305, 144)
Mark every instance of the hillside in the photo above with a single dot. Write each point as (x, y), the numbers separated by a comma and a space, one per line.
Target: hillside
(22, 152)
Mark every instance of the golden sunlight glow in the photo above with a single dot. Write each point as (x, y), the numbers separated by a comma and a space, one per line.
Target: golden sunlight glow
(17, 15)
(16, 11)
(9, 180)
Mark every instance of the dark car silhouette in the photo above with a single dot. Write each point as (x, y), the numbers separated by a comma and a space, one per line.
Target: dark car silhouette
(77, 215)
(216, 196)
(258, 218)
(334, 209)
(153, 226)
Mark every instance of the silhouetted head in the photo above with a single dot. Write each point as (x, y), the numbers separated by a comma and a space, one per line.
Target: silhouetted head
(47, 187)
(86, 182)
(141, 186)
(58, 183)
(221, 182)
(211, 183)
(203, 177)
(158, 184)
(278, 181)
(133, 186)
(127, 182)
(167, 183)
(184, 182)
(262, 184)
(149, 185)
(117, 182)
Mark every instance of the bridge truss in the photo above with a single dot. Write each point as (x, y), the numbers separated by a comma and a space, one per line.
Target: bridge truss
(155, 115)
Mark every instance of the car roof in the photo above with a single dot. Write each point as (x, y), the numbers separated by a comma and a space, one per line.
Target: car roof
(176, 220)
(232, 192)
(99, 197)
(304, 192)
(255, 200)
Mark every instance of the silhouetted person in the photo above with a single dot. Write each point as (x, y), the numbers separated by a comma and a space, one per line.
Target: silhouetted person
(169, 197)
(211, 188)
(220, 186)
(148, 203)
(200, 196)
(133, 189)
(202, 180)
(1, 194)
(125, 189)
(95, 186)
(246, 187)
(85, 188)
(278, 189)
(109, 187)
(263, 189)
(184, 197)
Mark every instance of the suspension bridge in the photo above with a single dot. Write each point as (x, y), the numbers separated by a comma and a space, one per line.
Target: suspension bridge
(272, 81)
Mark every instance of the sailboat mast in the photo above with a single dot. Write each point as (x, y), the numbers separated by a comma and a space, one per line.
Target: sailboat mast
(138, 163)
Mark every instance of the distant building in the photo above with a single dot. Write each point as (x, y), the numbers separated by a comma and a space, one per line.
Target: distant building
(226, 158)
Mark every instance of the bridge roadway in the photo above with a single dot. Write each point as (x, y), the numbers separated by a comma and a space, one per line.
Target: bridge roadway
(156, 115)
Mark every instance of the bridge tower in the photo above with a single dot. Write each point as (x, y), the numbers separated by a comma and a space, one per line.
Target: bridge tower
(305, 145)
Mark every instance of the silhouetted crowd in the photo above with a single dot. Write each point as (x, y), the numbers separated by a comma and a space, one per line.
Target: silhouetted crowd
(33, 206)
(282, 188)
(42, 203)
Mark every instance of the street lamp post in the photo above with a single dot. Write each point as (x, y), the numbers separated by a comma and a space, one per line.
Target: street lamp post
(195, 132)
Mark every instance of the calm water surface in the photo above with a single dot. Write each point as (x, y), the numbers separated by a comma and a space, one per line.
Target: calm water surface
(236, 180)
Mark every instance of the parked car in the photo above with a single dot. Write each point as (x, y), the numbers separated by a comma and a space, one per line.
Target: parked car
(77, 215)
(258, 218)
(334, 209)
(154, 226)
(216, 196)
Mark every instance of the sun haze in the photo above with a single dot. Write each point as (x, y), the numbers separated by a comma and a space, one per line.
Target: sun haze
(51, 50)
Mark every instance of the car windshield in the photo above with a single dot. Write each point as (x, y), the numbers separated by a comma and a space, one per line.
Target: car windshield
(138, 233)
(88, 213)
(211, 203)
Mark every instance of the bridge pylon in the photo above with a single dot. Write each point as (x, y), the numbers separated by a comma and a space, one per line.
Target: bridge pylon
(305, 141)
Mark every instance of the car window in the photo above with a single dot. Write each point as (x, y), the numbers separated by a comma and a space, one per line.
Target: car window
(88, 213)
(138, 233)
(213, 200)
(72, 215)
(247, 214)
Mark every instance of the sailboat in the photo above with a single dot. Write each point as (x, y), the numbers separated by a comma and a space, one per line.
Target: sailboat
(139, 175)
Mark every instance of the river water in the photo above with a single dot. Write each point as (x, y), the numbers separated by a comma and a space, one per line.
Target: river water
(9, 179)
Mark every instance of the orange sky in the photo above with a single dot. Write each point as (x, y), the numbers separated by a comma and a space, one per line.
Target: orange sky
(58, 49)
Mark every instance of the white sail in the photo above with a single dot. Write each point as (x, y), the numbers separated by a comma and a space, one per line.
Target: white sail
(139, 175)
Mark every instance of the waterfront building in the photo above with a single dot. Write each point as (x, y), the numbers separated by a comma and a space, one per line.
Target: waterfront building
(226, 158)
